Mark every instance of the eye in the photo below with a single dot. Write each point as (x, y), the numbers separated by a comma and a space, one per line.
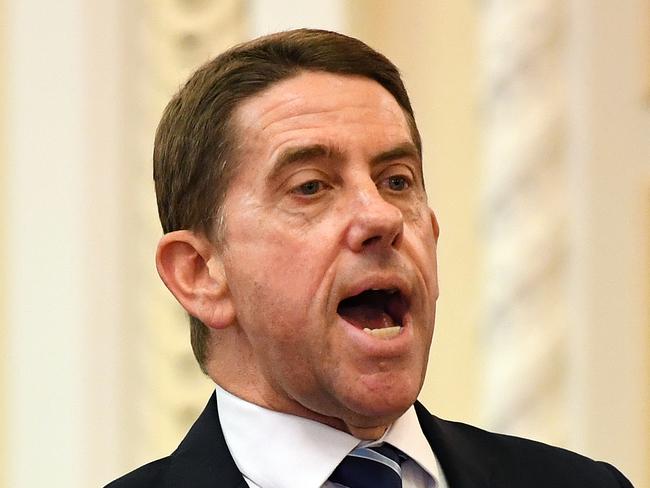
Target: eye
(398, 183)
(309, 188)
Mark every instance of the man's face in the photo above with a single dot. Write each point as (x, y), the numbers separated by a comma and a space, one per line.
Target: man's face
(328, 233)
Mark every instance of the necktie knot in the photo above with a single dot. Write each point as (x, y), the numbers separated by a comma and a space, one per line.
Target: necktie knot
(370, 467)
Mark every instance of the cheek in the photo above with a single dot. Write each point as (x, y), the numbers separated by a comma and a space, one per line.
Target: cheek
(271, 270)
(285, 254)
(424, 251)
(417, 221)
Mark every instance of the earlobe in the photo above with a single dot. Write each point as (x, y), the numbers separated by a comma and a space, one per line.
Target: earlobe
(434, 224)
(189, 266)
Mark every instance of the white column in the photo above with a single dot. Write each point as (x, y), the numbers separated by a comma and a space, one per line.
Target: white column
(62, 233)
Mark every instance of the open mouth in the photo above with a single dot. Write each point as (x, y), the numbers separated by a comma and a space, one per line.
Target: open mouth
(378, 312)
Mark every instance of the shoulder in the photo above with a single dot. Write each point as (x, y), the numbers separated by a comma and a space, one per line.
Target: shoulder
(201, 460)
(513, 461)
(524, 458)
(149, 475)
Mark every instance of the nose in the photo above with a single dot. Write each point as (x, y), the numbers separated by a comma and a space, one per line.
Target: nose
(375, 223)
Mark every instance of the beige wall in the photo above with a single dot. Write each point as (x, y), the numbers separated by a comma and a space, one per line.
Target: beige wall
(433, 43)
(611, 207)
(3, 256)
(3, 329)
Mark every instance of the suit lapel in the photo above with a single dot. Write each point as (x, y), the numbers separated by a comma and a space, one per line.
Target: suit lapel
(203, 460)
(462, 467)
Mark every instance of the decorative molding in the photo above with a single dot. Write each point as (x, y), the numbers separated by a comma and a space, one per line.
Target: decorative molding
(176, 37)
(524, 222)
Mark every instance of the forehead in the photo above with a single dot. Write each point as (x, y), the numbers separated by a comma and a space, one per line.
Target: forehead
(322, 106)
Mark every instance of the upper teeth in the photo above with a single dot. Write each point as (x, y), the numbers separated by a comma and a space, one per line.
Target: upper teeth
(389, 291)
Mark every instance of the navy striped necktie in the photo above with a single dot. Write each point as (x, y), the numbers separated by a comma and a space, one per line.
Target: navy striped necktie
(370, 467)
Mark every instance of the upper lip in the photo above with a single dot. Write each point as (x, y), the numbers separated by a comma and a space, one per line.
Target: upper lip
(378, 282)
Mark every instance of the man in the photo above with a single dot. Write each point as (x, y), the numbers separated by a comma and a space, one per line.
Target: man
(298, 238)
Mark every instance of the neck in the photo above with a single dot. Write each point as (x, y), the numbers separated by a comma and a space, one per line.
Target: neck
(367, 433)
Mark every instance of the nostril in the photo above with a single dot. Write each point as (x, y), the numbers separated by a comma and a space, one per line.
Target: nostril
(397, 238)
(371, 240)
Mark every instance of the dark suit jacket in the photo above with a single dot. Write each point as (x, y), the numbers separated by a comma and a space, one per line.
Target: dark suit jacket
(470, 458)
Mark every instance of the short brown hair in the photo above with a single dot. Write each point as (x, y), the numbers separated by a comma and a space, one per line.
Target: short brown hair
(193, 150)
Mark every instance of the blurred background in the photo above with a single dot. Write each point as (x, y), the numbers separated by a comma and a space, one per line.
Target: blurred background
(535, 116)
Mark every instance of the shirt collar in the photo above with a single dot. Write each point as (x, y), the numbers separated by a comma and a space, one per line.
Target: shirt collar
(278, 450)
(406, 435)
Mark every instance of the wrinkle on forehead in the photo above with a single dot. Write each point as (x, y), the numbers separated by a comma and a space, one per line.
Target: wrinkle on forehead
(289, 99)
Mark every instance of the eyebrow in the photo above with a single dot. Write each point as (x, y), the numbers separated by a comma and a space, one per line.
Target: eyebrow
(406, 150)
(302, 154)
(305, 153)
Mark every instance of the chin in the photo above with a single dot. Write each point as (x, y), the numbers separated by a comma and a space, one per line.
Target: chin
(384, 404)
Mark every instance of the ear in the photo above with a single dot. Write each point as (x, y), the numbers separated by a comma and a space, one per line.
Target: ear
(434, 224)
(190, 267)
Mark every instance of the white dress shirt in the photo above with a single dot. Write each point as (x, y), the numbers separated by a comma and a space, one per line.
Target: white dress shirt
(278, 450)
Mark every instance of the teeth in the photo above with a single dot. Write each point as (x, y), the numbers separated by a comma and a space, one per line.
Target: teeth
(390, 291)
(387, 333)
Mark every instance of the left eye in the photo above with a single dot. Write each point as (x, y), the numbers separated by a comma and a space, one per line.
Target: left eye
(309, 188)
(397, 183)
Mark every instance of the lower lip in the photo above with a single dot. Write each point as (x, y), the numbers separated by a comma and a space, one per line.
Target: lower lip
(375, 346)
